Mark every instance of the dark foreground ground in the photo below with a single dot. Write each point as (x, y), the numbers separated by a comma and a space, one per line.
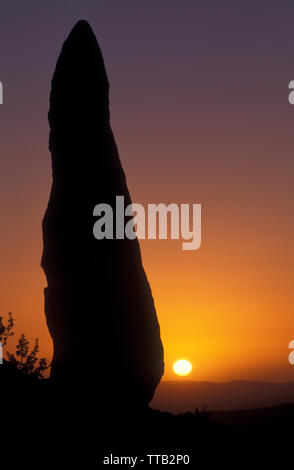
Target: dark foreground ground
(41, 426)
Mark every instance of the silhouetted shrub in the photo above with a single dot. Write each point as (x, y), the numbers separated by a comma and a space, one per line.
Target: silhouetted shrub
(203, 412)
(23, 359)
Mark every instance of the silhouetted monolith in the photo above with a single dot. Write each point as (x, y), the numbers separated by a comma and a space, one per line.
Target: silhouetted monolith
(98, 303)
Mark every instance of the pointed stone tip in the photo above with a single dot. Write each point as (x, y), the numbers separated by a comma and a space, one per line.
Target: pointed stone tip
(80, 80)
(82, 41)
(82, 27)
(81, 33)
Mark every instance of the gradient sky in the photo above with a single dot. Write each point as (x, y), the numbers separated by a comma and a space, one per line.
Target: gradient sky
(200, 112)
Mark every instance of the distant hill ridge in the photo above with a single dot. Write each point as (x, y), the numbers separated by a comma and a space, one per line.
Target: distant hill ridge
(179, 396)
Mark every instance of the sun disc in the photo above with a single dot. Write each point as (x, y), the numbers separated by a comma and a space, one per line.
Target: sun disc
(182, 367)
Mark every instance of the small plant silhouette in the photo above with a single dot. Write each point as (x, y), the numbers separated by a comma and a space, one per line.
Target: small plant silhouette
(6, 331)
(203, 412)
(24, 359)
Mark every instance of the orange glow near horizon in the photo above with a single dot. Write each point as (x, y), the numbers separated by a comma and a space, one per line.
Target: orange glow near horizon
(220, 306)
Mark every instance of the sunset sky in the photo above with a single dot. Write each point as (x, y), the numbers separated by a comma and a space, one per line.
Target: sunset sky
(200, 113)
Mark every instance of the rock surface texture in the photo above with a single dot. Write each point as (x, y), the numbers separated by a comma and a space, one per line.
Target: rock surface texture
(98, 304)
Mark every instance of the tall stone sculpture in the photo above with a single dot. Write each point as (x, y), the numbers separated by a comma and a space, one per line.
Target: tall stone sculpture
(98, 303)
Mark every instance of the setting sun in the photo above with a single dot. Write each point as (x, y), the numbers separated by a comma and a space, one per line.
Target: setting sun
(182, 367)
